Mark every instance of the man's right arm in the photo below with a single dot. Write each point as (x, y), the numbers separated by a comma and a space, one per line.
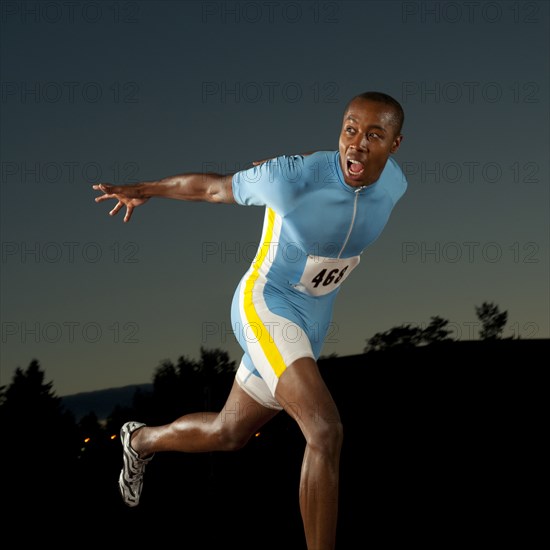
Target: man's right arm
(185, 187)
(207, 187)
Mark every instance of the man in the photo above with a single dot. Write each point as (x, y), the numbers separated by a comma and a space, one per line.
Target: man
(321, 211)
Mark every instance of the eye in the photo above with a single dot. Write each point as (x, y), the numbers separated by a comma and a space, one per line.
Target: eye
(374, 135)
(350, 129)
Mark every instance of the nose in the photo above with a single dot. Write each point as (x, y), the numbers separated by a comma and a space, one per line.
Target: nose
(359, 142)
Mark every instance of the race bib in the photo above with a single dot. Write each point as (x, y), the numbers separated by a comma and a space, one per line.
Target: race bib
(323, 275)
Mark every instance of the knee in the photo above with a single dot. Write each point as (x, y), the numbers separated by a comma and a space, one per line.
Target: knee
(231, 440)
(326, 437)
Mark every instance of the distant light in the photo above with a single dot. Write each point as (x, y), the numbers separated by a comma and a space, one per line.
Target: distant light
(87, 440)
(257, 434)
(113, 436)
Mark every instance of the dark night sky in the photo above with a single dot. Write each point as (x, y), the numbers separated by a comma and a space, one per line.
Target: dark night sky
(130, 91)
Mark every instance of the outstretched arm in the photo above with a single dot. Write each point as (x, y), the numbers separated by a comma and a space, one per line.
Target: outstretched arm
(188, 187)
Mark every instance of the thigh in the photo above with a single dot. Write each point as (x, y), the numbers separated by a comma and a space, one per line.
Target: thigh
(303, 394)
(241, 415)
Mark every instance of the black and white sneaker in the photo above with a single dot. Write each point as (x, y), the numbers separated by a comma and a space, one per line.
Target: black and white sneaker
(130, 481)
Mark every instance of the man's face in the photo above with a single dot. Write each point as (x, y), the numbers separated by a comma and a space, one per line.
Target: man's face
(367, 140)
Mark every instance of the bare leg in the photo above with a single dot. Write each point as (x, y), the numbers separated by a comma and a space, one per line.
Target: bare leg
(228, 430)
(305, 397)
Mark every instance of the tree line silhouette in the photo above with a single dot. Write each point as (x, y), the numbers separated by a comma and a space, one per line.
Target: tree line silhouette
(389, 412)
(491, 318)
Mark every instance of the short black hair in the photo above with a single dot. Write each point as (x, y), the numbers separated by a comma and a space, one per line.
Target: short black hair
(398, 117)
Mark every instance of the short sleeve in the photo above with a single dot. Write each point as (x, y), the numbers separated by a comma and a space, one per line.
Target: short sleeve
(394, 179)
(273, 183)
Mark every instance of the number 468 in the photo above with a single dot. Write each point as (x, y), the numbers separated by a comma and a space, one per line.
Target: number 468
(326, 277)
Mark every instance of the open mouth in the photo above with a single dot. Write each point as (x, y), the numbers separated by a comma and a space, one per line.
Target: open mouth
(355, 168)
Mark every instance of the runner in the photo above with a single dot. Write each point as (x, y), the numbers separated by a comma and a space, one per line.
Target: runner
(321, 211)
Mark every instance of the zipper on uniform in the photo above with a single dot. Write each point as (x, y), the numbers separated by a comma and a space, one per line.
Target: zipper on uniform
(355, 199)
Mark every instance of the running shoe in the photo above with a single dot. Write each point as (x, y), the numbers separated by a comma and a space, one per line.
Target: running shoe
(130, 481)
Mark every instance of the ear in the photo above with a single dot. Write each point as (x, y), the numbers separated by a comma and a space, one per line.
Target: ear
(396, 144)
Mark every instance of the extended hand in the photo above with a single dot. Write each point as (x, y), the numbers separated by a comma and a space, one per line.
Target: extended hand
(127, 195)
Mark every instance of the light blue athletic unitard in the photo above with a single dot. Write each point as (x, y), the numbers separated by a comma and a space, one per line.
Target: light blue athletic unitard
(315, 228)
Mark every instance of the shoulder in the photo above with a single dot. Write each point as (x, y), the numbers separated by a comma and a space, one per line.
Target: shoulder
(272, 183)
(322, 158)
(394, 180)
(290, 164)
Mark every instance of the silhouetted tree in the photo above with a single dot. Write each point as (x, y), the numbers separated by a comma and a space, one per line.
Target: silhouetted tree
(178, 389)
(215, 361)
(400, 336)
(163, 403)
(166, 382)
(31, 411)
(492, 320)
(436, 331)
(116, 419)
(42, 440)
(215, 370)
(404, 336)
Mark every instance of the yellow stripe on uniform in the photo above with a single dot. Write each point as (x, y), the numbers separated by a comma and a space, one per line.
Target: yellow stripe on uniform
(266, 342)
